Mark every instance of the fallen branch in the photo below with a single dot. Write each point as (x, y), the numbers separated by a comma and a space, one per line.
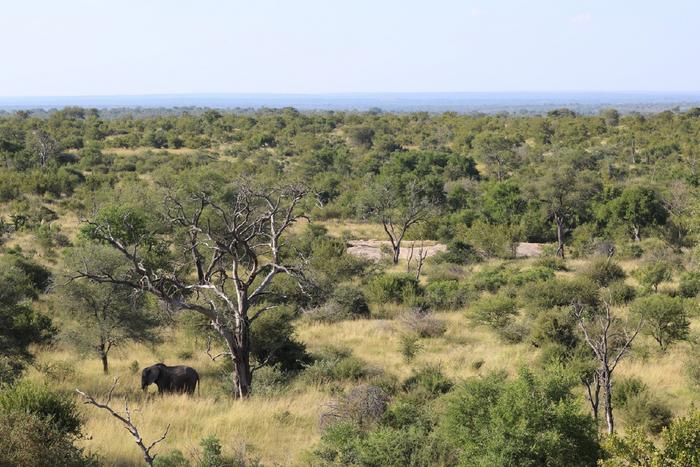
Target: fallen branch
(126, 421)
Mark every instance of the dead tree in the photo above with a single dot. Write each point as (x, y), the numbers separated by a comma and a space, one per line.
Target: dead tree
(126, 421)
(233, 249)
(43, 145)
(420, 259)
(609, 339)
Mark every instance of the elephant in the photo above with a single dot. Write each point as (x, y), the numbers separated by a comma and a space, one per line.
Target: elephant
(177, 378)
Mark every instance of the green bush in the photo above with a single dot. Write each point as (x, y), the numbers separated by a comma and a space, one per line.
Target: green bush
(654, 273)
(393, 288)
(346, 302)
(390, 447)
(409, 346)
(272, 340)
(489, 279)
(551, 262)
(691, 366)
(534, 274)
(172, 458)
(458, 252)
(494, 311)
(335, 367)
(30, 398)
(352, 300)
(646, 412)
(689, 285)
(561, 293)
(447, 294)
(30, 440)
(604, 272)
(620, 293)
(429, 379)
(532, 420)
(680, 446)
(555, 326)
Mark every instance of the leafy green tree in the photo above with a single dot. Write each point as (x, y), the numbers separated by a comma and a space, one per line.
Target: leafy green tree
(654, 273)
(497, 152)
(566, 194)
(639, 207)
(106, 315)
(666, 318)
(397, 207)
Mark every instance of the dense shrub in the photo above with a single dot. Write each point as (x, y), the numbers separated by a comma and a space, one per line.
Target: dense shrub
(619, 293)
(654, 273)
(352, 300)
(689, 285)
(551, 262)
(493, 241)
(534, 274)
(28, 440)
(336, 365)
(37, 424)
(346, 302)
(647, 412)
(393, 288)
(555, 326)
(30, 398)
(458, 252)
(447, 294)
(429, 379)
(494, 311)
(489, 279)
(272, 341)
(604, 272)
(532, 420)
(679, 446)
(561, 293)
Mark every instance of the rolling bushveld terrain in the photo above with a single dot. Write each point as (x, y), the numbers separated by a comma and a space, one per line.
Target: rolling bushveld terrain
(375, 289)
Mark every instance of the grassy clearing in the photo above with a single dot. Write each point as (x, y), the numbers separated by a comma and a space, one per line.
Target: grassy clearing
(281, 428)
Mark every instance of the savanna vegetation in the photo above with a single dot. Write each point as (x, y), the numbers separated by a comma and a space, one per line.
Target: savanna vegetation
(534, 300)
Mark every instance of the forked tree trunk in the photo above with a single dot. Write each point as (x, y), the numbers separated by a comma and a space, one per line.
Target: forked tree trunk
(397, 253)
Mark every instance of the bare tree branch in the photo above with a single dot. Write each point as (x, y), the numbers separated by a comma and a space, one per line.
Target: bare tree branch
(126, 420)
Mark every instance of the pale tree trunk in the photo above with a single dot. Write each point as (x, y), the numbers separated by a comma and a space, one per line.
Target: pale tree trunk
(607, 389)
(635, 232)
(238, 344)
(560, 236)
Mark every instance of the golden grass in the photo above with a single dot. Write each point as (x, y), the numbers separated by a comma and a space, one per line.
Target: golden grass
(281, 429)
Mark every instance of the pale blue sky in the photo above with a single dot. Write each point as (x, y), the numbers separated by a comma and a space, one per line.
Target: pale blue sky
(93, 47)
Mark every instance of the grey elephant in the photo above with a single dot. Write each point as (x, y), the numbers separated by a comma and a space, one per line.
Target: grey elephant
(177, 378)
